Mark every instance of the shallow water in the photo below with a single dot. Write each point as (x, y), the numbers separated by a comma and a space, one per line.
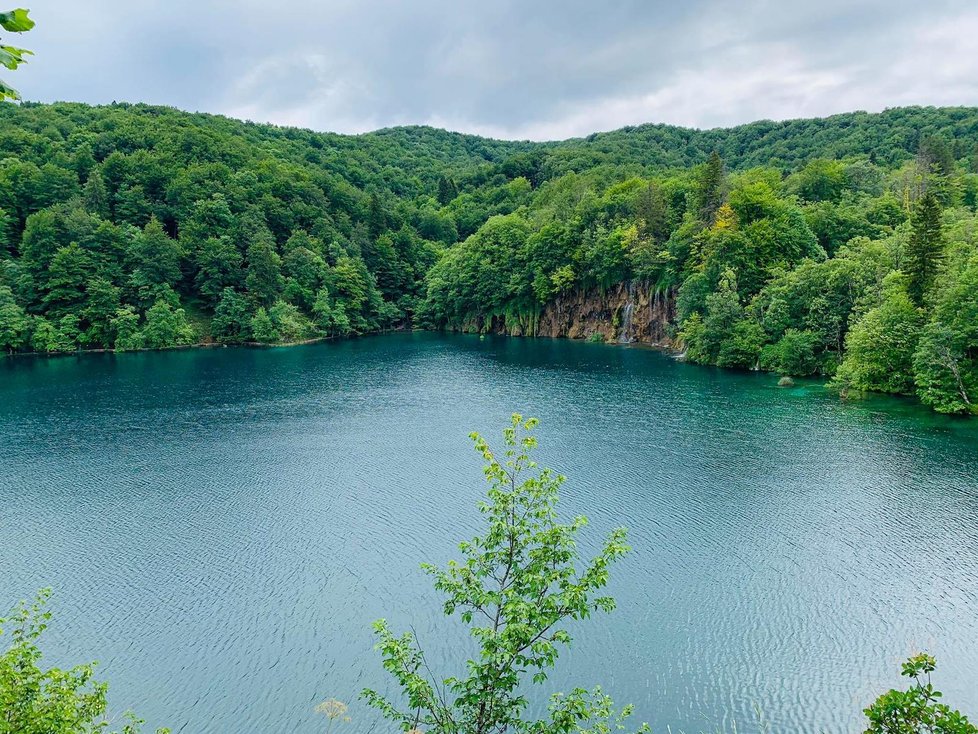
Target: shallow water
(221, 526)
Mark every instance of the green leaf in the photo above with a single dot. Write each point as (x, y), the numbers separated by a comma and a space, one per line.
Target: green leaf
(16, 21)
(7, 92)
(12, 57)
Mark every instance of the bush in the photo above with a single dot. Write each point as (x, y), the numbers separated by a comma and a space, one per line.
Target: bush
(793, 354)
(52, 701)
(916, 710)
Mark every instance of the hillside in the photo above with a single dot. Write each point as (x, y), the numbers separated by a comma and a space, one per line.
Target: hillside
(131, 226)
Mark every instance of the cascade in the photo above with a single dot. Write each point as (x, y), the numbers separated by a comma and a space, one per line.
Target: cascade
(625, 337)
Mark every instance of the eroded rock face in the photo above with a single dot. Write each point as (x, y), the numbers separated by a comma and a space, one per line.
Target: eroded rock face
(627, 312)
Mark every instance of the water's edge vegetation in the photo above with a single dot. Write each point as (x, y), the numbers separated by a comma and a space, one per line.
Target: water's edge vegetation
(843, 247)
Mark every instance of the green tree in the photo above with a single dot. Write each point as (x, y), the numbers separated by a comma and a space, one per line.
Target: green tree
(330, 316)
(51, 337)
(125, 326)
(167, 326)
(263, 328)
(917, 710)
(723, 313)
(96, 196)
(264, 279)
(711, 189)
(34, 700)
(232, 317)
(946, 361)
(447, 190)
(290, 324)
(925, 247)
(156, 256)
(218, 267)
(793, 354)
(516, 589)
(743, 348)
(652, 213)
(880, 346)
(67, 275)
(101, 306)
(14, 322)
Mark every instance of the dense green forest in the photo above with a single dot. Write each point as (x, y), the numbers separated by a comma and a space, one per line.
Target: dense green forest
(843, 246)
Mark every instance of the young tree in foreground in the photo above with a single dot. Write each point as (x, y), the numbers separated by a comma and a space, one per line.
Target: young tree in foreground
(515, 588)
(53, 701)
(916, 710)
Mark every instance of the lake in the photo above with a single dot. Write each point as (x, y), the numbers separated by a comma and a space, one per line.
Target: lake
(221, 526)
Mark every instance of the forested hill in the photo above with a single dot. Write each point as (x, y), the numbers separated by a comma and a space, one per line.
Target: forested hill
(796, 246)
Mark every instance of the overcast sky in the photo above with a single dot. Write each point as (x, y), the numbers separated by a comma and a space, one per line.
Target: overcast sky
(505, 68)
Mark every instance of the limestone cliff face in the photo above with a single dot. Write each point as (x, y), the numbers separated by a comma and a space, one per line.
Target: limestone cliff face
(627, 312)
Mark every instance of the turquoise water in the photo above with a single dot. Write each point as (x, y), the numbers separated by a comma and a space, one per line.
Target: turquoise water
(221, 526)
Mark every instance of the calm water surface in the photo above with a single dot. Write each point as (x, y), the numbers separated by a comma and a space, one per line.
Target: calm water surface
(221, 526)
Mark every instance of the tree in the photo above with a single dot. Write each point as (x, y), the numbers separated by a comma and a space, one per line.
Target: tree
(48, 337)
(516, 587)
(52, 701)
(711, 185)
(264, 279)
(743, 347)
(723, 313)
(96, 196)
(14, 21)
(263, 328)
(447, 190)
(14, 322)
(125, 326)
(156, 256)
(793, 354)
(218, 266)
(880, 346)
(652, 212)
(290, 324)
(68, 273)
(167, 326)
(946, 361)
(925, 248)
(918, 709)
(101, 307)
(330, 316)
(232, 317)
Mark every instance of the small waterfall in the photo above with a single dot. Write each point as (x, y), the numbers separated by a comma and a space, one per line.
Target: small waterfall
(625, 336)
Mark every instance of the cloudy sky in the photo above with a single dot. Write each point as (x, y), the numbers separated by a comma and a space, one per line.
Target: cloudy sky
(505, 68)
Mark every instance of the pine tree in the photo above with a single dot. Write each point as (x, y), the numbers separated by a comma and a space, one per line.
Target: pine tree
(925, 248)
(447, 190)
(96, 196)
(652, 212)
(711, 189)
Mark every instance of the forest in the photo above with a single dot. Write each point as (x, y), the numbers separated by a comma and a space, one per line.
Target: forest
(844, 246)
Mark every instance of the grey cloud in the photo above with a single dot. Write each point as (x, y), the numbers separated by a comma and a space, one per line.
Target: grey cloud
(543, 69)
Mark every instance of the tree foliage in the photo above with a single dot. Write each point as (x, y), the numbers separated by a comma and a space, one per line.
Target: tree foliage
(917, 710)
(38, 700)
(516, 588)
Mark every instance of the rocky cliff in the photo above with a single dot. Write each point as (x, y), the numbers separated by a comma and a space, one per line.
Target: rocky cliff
(626, 313)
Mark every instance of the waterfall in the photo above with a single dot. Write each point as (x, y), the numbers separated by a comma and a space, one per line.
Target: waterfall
(625, 337)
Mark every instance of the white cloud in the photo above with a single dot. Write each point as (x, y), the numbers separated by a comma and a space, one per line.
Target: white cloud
(542, 70)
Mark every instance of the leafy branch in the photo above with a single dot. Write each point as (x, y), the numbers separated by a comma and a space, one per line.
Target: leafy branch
(515, 587)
